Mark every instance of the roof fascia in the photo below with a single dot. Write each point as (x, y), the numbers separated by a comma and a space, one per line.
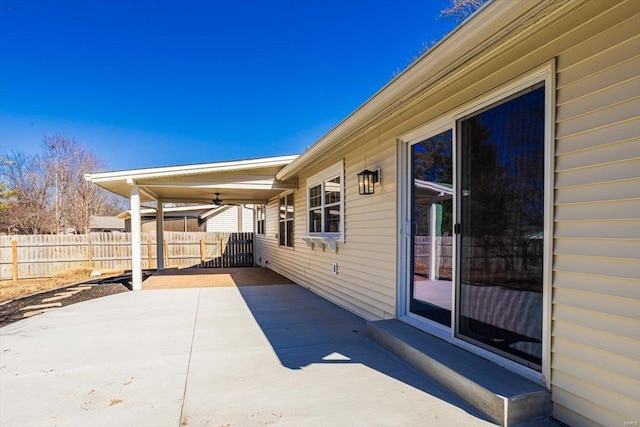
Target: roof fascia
(433, 186)
(194, 169)
(189, 208)
(248, 185)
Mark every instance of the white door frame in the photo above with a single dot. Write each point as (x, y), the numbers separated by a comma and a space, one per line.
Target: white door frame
(544, 73)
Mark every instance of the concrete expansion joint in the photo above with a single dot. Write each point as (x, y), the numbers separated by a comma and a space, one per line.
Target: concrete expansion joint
(186, 379)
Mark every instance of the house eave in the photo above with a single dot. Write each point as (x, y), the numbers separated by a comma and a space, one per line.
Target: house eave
(491, 23)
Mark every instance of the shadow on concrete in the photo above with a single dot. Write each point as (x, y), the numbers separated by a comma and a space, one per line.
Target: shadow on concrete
(173, 278)
(125, 279)
(304, 329)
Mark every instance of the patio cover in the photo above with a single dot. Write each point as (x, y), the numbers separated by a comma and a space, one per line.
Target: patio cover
(251, 181)
(238, 182)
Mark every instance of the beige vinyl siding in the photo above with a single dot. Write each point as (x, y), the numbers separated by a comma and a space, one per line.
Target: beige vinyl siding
(232, 219)
(247, 218)
(595, 291)
(366, 279)
(265, 245)
(226, 220)
(595, 377)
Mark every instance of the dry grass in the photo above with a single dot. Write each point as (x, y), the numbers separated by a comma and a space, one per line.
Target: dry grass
(10, 290)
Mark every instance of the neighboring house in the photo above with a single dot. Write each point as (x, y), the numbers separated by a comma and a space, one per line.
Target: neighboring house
(196, 218)
(106, 224)
(506, 216)
(237, 218)
(184, 218)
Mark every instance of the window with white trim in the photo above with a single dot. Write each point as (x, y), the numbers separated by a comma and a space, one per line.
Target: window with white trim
(285, 218)
(325, 202)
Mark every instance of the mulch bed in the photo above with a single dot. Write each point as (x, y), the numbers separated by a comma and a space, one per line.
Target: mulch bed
(11, 311)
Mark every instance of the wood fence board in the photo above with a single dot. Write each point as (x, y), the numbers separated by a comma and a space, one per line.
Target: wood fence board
(45, 255)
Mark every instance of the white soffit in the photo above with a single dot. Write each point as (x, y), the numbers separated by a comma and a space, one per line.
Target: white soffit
(243, 181)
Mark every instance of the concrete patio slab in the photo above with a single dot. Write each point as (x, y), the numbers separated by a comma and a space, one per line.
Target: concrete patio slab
(225, 356)
(173, 278)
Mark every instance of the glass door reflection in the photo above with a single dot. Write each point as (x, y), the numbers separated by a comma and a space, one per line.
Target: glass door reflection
(432, 219)
(502, 227)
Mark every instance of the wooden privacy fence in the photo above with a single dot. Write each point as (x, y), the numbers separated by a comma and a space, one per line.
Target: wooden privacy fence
(481, 255)
(30, 256)
(237, 251)
(444, 253)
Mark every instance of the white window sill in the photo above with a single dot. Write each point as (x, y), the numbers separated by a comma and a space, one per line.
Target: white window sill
(322, 242)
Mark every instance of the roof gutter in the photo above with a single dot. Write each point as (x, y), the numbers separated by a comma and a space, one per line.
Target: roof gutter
(490, 23)
(194, 169)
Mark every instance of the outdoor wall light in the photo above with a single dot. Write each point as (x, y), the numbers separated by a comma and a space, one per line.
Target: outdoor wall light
(367, 180)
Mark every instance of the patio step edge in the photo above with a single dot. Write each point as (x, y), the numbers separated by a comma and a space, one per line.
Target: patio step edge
(504, 396)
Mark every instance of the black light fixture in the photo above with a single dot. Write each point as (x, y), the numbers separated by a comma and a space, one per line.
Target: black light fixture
(367, 180)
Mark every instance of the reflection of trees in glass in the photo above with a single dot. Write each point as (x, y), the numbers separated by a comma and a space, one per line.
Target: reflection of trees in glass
(432, 162)
(484, 198)
(503, 179)
(432, 159)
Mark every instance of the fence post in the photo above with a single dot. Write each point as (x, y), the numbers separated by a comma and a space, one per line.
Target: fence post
(202, 257)
(14, 258)
(222, 251)
(89, 250)
(166, 253)
(149, 253)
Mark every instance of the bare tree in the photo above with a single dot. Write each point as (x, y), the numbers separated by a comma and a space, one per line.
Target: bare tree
(87, 198)
(27, 208)
(458, 10)
(461, 9)
(50, 194)
(5, 192)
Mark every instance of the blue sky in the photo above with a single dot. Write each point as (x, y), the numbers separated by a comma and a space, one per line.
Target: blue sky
(146, 83)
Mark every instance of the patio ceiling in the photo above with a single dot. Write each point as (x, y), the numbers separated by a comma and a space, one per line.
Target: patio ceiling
(238, 182)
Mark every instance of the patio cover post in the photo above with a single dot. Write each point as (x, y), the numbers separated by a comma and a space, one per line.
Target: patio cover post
(160, 235)
(136, 238)
(433, 241)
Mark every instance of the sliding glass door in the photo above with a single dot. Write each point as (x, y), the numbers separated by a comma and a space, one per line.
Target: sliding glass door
(432, 226)
(476, 211)
(501, 208)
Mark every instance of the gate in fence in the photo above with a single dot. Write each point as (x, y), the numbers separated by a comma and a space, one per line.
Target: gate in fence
(237, 251)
